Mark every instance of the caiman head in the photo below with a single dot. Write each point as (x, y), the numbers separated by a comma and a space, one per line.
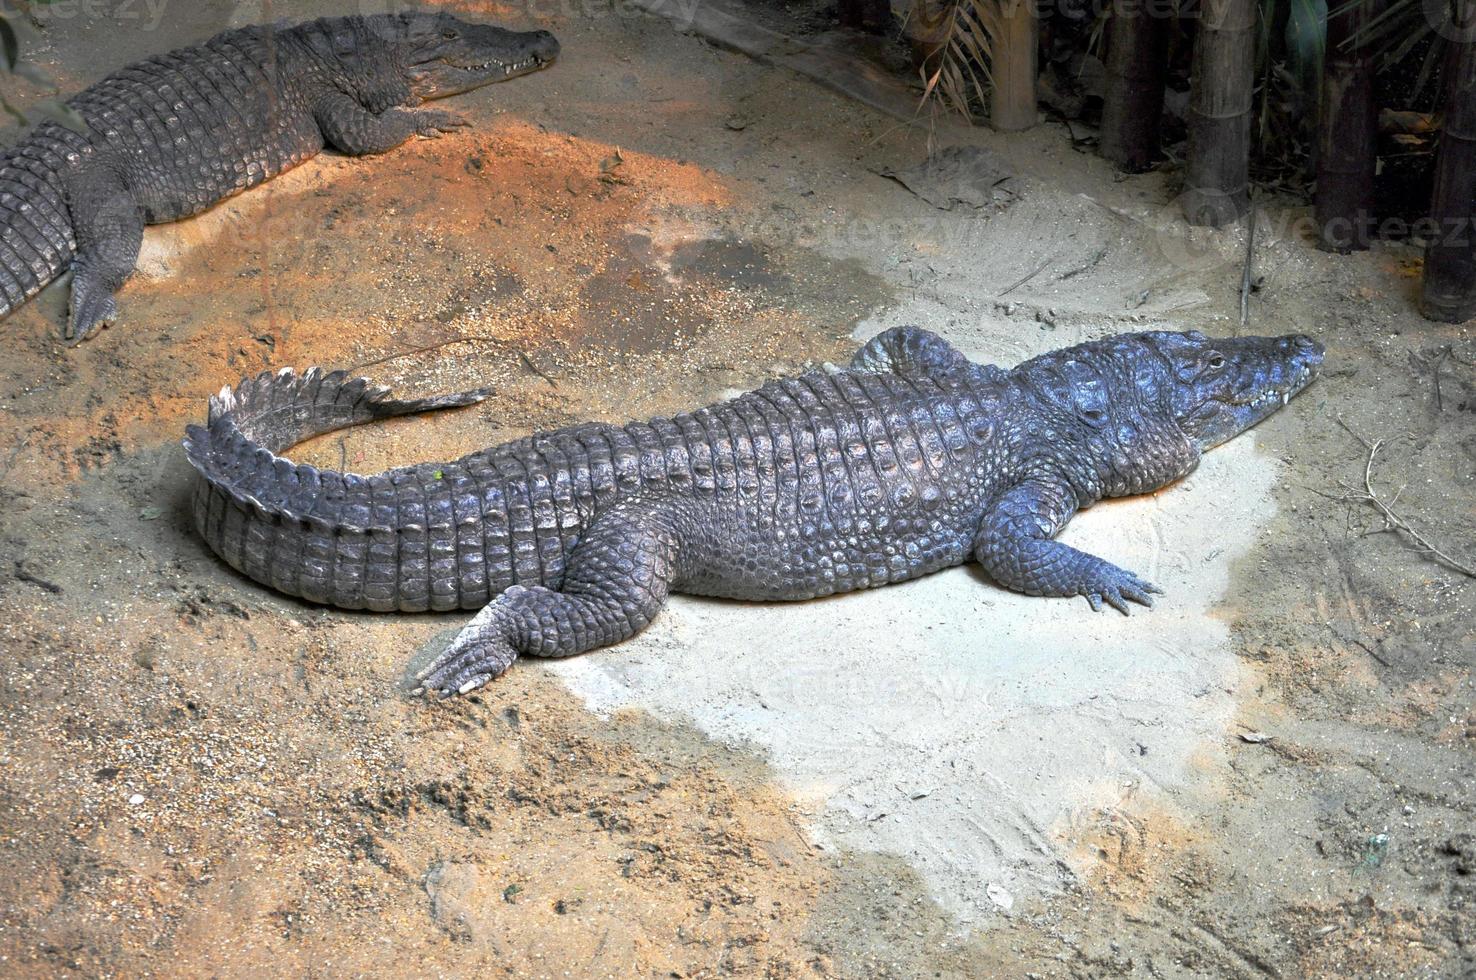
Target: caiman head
(1219, 387)
(1145, 406)
(441, 55)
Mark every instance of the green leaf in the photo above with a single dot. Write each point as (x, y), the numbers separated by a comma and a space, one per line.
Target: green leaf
(11, 110)
(1306, 40)
(58, 111)
(438, 474)
(9, 46)
(31, 73)
(151, 513)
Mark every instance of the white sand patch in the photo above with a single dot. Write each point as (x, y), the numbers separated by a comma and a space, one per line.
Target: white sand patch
(959, 725)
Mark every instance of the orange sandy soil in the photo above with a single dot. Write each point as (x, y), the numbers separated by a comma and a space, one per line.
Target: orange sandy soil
(198, 777)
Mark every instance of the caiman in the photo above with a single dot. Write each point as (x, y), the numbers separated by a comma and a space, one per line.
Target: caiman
(912, 460)
(168, 137)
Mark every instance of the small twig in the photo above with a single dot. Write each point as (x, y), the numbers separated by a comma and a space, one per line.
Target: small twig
(1439, 362)
(1245, 273)
(1392, 520)
(1423, 362)
(426, 349)
(14, 453)
(22, 575)
(1364, 646)
(496, 341)
(1348, 429)
(528, 361)
(1091, 264)
(1020, 282)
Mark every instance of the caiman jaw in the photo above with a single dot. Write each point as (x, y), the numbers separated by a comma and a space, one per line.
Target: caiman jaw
(1300, 380)
(1228, 385)
(480, 55)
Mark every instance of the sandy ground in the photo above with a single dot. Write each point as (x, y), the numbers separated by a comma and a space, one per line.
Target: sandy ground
(199, 777)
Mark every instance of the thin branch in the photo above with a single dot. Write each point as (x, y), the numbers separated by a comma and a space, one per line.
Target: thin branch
(21, 575)
(495, 341)
(422, 350)
(1020, 282)
(1348, 429)
(1433, 362)
(1392, 520)
(10, 460)
(1245, 273)
(1360, 644)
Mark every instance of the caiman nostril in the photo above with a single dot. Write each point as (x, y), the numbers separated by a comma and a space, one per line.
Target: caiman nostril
(1306, 345)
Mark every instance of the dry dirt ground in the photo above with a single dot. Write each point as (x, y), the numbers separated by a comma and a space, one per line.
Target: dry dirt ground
(199, 777)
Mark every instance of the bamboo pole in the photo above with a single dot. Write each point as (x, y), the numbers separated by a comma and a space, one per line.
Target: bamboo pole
(1221, 86)
(1346, 134)
(1132, 110)
(1012, 101)
(1449, 289)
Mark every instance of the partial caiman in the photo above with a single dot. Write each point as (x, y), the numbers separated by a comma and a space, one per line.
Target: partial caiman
(168, 137)
(911, 461)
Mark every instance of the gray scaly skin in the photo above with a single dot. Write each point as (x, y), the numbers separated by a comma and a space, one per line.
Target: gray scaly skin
(913, 460)
(168, 137)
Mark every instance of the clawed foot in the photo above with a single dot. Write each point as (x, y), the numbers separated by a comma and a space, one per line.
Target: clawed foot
(1115, 586)
(479, 653)
(88, 317)
(431, 123)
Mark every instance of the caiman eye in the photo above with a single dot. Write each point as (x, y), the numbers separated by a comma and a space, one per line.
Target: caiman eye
(1216, 361)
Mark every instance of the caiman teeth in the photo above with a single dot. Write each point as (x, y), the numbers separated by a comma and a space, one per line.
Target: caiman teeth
(508, 67)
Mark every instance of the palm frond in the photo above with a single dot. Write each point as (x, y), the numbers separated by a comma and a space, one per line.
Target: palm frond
(957, 70)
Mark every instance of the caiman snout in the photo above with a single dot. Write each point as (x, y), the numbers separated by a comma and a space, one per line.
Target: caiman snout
(1305, 355)
(1300, 343)
(545, 47)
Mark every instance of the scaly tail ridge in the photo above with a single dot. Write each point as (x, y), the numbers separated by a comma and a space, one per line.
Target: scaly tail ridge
(236, 450)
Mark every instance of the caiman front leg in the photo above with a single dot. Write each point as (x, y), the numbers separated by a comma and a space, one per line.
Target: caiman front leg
(618, 577)
(1014, 544)
(108, 224)
(352, 129)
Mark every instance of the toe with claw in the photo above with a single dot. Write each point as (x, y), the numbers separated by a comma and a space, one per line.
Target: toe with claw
(481, 652)
(1116, 586)
(88, 317)
(431, 123)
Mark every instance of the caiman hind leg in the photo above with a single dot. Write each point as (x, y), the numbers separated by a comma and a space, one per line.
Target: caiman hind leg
(617, 578)
(108, 223)
(915, 352)
(350, 128)
(1014, 545)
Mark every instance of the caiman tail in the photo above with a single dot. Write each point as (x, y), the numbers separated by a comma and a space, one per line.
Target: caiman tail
(326, 536)
(36, 243)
